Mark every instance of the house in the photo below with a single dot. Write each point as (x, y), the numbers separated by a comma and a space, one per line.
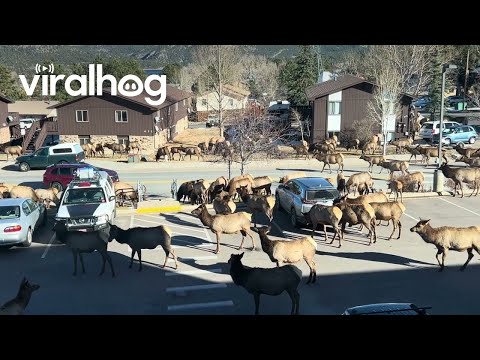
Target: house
(338, 102)
(4, 121)
(121, 119)
(235, 100)
(37, 110)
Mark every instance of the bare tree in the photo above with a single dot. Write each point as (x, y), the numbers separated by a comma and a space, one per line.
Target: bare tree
(220, 65)
(412, 62)
(253, 137)
(303, 124)
(263, 73)
(475, 95)
(385, 105)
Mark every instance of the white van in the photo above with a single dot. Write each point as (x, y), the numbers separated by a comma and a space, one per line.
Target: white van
(431, 128)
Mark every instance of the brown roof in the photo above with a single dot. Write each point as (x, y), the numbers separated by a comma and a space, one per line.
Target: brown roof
(32, 107)
(332, 86)
(5, 99)
(174, 95)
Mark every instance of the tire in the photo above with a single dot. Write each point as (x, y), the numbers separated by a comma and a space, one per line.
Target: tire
(57, 186)
(24, 167)
(461, 144)
(28, 240)
(293, 218)
(472, 140)
(448, 142)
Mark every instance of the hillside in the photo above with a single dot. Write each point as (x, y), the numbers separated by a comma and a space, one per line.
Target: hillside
(23, 58)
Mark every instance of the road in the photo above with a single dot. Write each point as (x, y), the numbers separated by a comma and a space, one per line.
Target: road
(402, 270)
(158, 177)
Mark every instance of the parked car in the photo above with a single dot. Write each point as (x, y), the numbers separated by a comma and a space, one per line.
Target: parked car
(19, 218)
(57, 154)
(455, 135)
(387, 309)
(60, 175)
(477, 129)
(26, 123)
(212, 120)
(89, 202)
(297, 196)
(431, 128)
(422, 102)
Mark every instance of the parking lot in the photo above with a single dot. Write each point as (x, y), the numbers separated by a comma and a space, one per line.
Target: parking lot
(388, 271)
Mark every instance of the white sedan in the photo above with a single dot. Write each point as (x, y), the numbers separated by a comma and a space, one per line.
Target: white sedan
(19, 218)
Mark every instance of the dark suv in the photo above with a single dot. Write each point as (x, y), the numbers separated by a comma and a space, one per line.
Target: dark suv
(60, 175)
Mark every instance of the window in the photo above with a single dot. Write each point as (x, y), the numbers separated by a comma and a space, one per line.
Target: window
(62, 150)
(32, 205)
(9, 212)
(42, 152)
(334, 108)
(65, 171)
(26, 209)
(83, 196)
(123, 140)
(121, 116)
(81, 115)
(176, 106)
(230, 102)
(84, 139)
(204, 102)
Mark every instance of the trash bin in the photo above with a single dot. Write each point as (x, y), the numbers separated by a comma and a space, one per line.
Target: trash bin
(134, 158)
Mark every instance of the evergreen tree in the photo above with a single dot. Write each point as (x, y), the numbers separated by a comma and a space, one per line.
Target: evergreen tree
(9, 87)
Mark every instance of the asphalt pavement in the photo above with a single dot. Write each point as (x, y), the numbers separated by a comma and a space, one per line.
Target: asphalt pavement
(403, 270)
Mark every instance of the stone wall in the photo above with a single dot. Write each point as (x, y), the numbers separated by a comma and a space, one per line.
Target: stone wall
(69, 139)
(4, 135)
(103, 139)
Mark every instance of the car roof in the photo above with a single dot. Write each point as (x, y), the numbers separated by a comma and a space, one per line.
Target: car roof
(314, 182)
(71, 165)
(385, 309)
(12, 202)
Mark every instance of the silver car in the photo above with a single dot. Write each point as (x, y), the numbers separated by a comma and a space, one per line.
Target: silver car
(19, 218)
(297, 196)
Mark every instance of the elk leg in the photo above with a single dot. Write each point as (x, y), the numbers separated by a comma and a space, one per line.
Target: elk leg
(131, 258)
(330, 167)
(394, 223)
(291, 293)
(399, 229)
(470, 256)
(139, 252)
(104, 260)
(81, 262)
(324, 164)
(256, 297)
(324, 231)
(74, 253)
(109, 259)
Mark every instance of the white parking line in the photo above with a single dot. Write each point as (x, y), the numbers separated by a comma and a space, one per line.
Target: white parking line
(192, 243)
(200, 305)
(195, 287)
(461, 207)
(196, 258)
(193, 272)
(48, 246)
(411, 217)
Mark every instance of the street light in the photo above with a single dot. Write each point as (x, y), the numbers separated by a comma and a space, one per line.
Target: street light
(438, 175)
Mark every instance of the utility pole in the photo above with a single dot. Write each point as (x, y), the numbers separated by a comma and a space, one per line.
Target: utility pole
(466, 79)
(220, 96)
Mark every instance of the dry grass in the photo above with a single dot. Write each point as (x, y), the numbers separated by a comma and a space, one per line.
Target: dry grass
(196, 136)
(449, 183)
(408, 184)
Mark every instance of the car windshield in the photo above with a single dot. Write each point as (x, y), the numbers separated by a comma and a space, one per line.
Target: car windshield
(9, 212)
(84, 196)
(427, 126)
(317, 195)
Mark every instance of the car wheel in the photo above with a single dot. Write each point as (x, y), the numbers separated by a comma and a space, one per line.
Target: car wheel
(293, 218)
(24, 166)
(28, 240)
(448, 142)
(277, 203)
(57, 186)
(461, 144)
(472, 140)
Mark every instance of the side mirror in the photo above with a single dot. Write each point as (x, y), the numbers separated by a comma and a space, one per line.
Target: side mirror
(111, 198)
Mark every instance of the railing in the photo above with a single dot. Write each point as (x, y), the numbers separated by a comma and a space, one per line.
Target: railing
(41, 137)
(29, 135)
